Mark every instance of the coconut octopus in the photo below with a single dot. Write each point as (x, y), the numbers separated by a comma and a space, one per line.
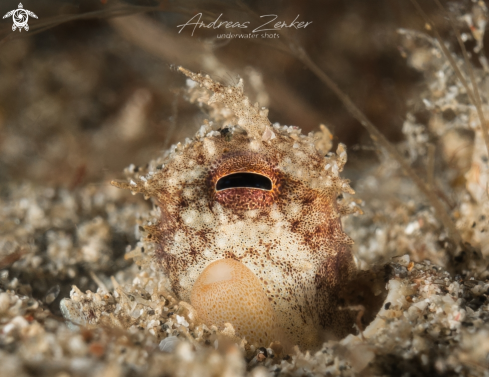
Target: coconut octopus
(249, 228)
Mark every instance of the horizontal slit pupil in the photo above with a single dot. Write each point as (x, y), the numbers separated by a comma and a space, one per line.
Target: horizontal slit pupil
(243, 180)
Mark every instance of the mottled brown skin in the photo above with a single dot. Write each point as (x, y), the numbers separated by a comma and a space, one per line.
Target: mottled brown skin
(290, 237)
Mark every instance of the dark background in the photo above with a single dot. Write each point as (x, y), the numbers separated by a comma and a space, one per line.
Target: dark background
(83, 94)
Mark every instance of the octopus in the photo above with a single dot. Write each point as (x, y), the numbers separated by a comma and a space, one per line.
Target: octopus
(248, 225)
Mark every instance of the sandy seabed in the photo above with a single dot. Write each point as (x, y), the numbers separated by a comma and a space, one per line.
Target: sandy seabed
(79, 297)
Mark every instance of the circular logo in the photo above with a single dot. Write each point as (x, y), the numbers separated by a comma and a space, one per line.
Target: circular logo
(20, 17)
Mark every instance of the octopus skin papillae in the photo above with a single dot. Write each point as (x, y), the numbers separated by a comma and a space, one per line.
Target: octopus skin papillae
(249, 231)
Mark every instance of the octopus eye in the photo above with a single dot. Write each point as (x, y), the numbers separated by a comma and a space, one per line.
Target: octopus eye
(244, 180)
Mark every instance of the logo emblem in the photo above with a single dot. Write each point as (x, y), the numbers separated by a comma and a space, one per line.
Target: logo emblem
(20, 16)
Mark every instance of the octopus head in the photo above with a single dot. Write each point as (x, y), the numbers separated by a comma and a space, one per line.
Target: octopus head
(249, 227)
